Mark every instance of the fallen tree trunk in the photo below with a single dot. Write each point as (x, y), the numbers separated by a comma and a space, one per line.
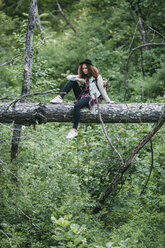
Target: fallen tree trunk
(38, 113)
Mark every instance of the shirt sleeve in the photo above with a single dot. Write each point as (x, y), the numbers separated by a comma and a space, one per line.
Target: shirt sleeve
(101, 88)
(72, 77)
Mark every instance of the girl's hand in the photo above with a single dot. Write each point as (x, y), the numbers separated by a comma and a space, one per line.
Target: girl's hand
(81, 80)
(112, 102)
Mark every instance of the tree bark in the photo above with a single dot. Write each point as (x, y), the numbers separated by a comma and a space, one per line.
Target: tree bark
(38, 24)
(142, 30)
(15, 140)
(29, 48)
(137, 10)
(27, 74)
(38, 113)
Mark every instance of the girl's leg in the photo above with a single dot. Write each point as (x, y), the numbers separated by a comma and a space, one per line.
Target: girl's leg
(71, 85)
(83, 102)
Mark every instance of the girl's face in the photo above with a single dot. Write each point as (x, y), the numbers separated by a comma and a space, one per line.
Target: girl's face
(85, 69)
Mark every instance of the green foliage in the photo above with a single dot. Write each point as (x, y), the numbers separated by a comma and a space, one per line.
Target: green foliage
(48, 193)
(153, 87)
(66, 183)
(69, 234)
(139, 232)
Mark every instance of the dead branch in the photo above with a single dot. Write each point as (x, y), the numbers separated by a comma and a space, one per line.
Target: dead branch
(6, 98)
(117, 178)
(66, 19)
(133, 36)
(20, 2)
(11, 60)
(135, 6)
(151, 168)
(7, 236)
(154, 30)
(31, 95)
(143, 73)
(142, 29)
(38, 24)
(130, 55)
(106, 135)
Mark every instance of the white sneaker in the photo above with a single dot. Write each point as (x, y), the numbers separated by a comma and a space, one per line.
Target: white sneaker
(72, 134)
(57, 99)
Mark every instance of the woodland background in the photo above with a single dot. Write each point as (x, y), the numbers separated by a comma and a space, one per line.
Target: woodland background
(49, 192)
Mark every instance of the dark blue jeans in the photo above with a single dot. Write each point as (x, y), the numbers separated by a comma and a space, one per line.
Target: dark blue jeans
(83, 102)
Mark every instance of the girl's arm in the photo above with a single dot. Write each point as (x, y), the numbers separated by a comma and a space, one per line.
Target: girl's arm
(76, 78)
(72, 77)
(102, 90)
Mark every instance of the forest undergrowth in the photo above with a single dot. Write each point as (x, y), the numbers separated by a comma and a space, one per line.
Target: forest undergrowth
(49, 192)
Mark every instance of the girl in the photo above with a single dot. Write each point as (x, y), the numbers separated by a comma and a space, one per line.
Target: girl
(86, 93)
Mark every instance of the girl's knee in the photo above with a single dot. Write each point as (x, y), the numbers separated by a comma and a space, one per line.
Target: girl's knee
(75, 84)
(76, 106)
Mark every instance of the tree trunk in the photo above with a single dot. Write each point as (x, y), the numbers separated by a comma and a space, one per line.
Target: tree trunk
(38, 24)
(137, 10)
(142, 30)
(38, 113)
(27, 74)
(15, 140)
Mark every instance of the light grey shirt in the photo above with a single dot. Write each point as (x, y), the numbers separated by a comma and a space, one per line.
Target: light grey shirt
(94, 90)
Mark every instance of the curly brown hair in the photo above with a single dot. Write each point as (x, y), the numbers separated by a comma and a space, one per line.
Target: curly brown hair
(92, 71)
